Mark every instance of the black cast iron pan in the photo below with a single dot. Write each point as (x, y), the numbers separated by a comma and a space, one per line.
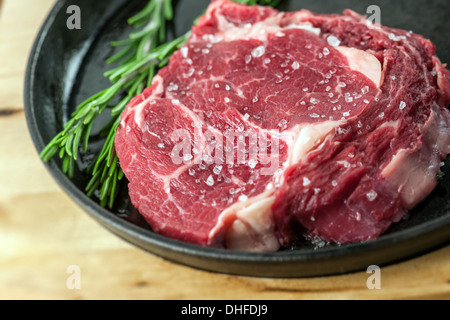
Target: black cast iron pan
(66, 66)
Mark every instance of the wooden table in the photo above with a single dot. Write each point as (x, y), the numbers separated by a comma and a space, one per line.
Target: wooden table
(43, 232)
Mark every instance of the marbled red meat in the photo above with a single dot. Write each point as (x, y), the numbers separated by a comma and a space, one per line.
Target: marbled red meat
(267, 127)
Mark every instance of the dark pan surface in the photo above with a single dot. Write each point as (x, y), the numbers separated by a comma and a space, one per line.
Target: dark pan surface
(66, 67)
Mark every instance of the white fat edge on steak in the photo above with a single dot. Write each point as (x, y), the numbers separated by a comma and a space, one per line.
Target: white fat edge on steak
(228, 31)
(364, 62)
(307, 138)
(412, 171)
(248, 225)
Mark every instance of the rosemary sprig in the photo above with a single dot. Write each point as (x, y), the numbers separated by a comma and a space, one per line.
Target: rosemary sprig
(130, 76)
(137, 62)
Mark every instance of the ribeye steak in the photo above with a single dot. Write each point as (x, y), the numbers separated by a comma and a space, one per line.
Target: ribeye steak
(267, 127)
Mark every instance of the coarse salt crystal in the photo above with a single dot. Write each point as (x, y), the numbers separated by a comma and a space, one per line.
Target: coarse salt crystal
(282, 124)
(210, 181)
(365, 90)
(243, 198)
(252, 164)
(372, 195)
(402, 105)
(185, 52)
(306, 182)
(217, 169)
(314, 101)
(258, 52)
(333, 41)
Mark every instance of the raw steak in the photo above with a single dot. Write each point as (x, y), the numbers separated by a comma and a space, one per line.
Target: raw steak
(267, 127)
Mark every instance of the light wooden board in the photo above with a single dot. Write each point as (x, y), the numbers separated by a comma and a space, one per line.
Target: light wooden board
(43, 232)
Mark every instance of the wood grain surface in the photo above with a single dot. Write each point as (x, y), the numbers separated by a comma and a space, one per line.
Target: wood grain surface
(43, 232)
